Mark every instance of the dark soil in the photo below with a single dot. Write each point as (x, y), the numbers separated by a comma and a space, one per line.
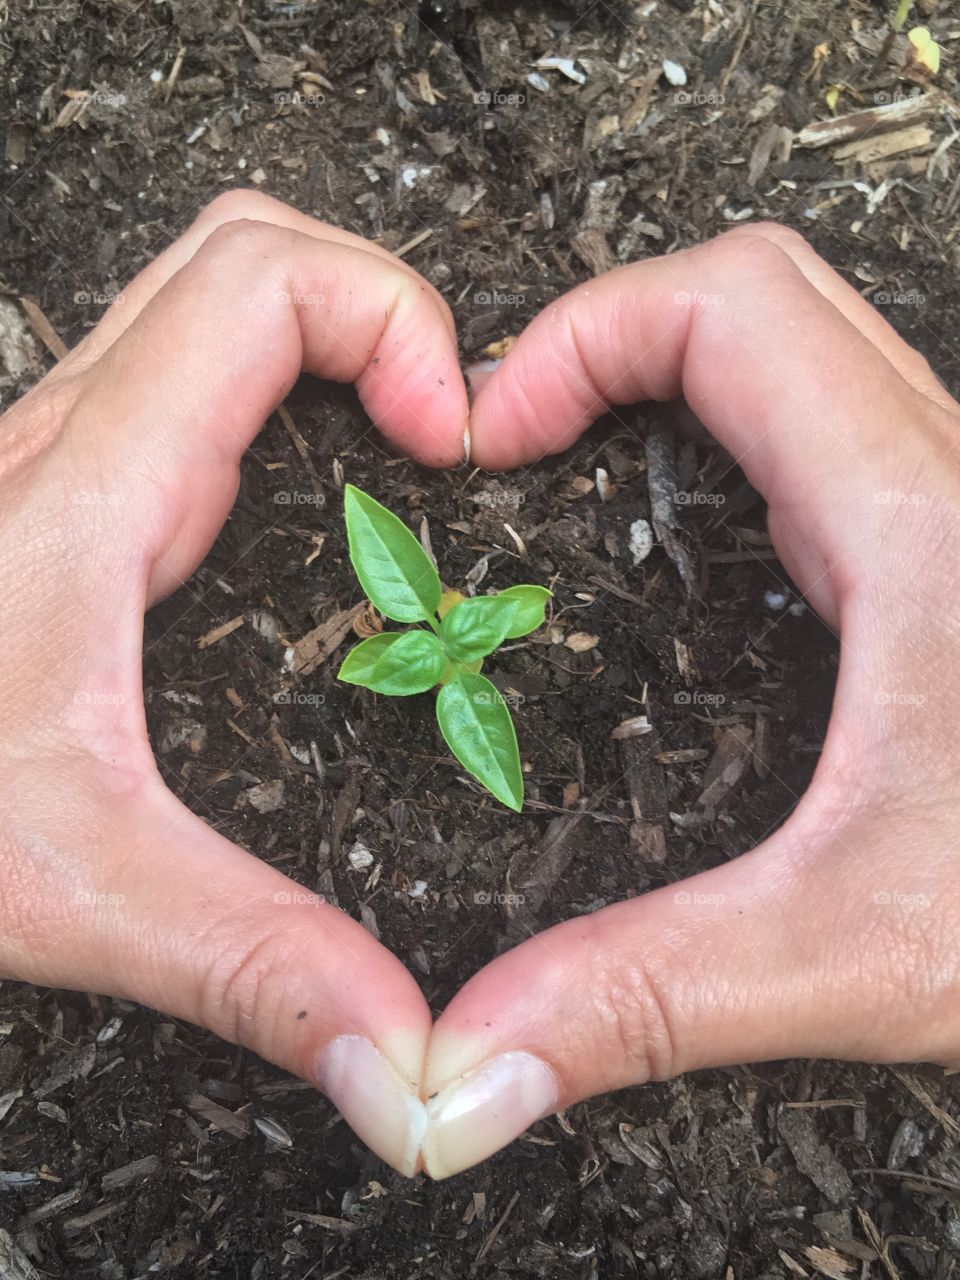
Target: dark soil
(713, 1175)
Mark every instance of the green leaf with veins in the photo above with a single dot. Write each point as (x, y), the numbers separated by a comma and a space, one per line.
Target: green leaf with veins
(477, 728)
(474, 628)
(531, 605)
(392, 567)
(396, 663)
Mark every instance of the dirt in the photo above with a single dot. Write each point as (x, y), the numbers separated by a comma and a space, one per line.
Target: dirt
(719, 1174)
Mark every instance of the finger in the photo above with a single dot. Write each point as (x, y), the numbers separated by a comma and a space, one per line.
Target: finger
(166, 413)
(817, 416)
(231, 206)
(150, 904)
(908, 362)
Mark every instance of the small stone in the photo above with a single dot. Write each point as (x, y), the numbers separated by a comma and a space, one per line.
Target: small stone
(359, 856)
(641, 540)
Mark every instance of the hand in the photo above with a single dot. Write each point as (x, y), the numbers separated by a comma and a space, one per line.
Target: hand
(116, 472)
(840, 935)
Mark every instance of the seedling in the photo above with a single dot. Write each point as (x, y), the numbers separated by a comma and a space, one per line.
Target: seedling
(399, 579)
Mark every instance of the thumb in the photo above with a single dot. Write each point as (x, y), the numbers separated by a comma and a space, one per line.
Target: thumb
(160, 909)
(739, 964)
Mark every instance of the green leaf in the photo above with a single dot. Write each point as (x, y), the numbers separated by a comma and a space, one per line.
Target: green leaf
(395, 663)
(392, 567)
(474, 628)
(531, 605)
(477, 728)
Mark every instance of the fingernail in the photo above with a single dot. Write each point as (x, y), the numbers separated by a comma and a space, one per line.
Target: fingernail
(478, 373)
(376, 1102)
(482, 1112)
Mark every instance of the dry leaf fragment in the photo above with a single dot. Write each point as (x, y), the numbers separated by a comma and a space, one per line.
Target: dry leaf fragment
(497, 350)
(635, 727)
(581, 641)
(317, 645)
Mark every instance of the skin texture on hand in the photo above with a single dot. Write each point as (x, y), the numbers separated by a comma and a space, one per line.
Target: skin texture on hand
(836, 937)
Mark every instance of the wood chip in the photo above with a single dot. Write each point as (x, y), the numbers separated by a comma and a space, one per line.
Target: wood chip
(14, 1263)
(44, 330)
(813, 1156)
(593, 250)
(927, 1101)
(135, 1171)
(316, 646)
(829, 1263)
(662, 485)
(774, 143)
(413, 243)
(894, 115)
(219, 633)
(75, 1065)
(323, 1220)
(303, 450)
(227, 1121)
(648, 795)
(74, 1226)
(865, 150)
(51, 1208)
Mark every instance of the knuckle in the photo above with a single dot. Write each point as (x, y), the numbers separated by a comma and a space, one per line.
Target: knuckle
(242, 984)
(236, 234)
(633, 1022)
(774, 233)
(772, 249)
(234, 206)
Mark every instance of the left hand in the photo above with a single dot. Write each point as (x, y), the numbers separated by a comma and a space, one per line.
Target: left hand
(839, 936)
(116, 474)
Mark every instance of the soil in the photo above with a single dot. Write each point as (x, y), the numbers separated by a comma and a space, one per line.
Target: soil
(523, 191)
